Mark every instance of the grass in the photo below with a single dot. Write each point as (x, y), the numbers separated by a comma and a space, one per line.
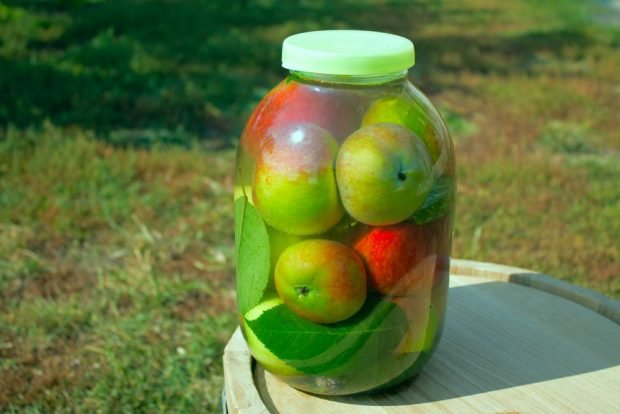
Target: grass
(117, 128)
(116, 272)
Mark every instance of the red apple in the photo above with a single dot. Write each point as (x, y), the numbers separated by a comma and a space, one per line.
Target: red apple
(291, 102)
(401, 259)
(294, 186)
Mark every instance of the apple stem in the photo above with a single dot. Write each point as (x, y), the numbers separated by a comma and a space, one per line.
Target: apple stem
(401, 176)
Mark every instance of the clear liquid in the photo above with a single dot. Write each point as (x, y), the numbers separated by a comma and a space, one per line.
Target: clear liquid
(393, 334)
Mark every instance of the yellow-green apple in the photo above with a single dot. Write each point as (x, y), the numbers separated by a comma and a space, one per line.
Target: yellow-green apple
(259, 351)
(291, 102)
(422, 324)
(442, 269)
(400, 259)
(439, 297)
(294, 187)
(408, 113)
(321, 280)
(441, 232)
(278, 242)
(383, 173)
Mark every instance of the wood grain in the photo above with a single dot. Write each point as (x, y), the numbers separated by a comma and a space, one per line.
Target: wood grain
(515, 341)
(241, 393)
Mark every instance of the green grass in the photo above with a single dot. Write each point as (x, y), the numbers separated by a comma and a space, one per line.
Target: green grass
(117, 128)
(116, 274)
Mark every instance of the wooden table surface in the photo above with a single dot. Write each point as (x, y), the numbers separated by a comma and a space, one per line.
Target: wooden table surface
(514, 342)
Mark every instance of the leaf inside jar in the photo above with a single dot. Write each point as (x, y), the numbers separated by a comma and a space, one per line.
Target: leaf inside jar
(253, 256)
(312, 348)
(438, 202)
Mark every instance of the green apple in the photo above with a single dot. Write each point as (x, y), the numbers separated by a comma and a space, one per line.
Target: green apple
(294, 184)
(408, 113)
(259, 351)
(384, 173)
(322, 281)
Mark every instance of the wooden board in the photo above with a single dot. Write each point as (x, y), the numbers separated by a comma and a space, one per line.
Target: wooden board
(515, 341)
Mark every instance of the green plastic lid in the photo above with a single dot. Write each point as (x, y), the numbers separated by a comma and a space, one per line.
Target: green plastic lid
(347, 52)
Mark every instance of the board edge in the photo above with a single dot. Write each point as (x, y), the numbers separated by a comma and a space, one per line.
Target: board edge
(599, 303)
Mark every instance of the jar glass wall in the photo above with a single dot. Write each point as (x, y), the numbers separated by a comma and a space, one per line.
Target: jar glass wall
(344, 201)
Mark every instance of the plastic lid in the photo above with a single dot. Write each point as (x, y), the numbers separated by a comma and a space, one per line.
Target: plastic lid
(347, 52)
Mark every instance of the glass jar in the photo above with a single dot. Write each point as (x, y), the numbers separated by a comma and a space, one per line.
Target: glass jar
(344, 202)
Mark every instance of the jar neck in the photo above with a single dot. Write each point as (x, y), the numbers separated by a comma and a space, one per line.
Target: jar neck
(361, 80)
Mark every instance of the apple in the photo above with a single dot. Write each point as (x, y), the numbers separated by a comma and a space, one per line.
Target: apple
(278, 242)
(384, 173)
(400, 259)
(321, 280)
(292, 102)
(408, 113)
(439, 298)
(422, 319)
(259, 351)
(441, 231)
(294, 187)
(442, 269)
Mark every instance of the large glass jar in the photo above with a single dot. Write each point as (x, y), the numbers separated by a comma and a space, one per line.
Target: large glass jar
(344, 202)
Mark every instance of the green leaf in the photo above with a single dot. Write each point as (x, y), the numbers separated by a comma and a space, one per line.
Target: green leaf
(327, 349)
(252, 247)
(439, 201)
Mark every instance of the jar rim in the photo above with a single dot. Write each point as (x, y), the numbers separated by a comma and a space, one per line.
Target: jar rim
(353, 80)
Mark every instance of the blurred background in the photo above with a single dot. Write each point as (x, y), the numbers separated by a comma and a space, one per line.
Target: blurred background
(118, 123)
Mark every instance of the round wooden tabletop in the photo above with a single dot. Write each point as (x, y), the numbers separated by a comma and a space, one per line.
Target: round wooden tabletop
(515, 341)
